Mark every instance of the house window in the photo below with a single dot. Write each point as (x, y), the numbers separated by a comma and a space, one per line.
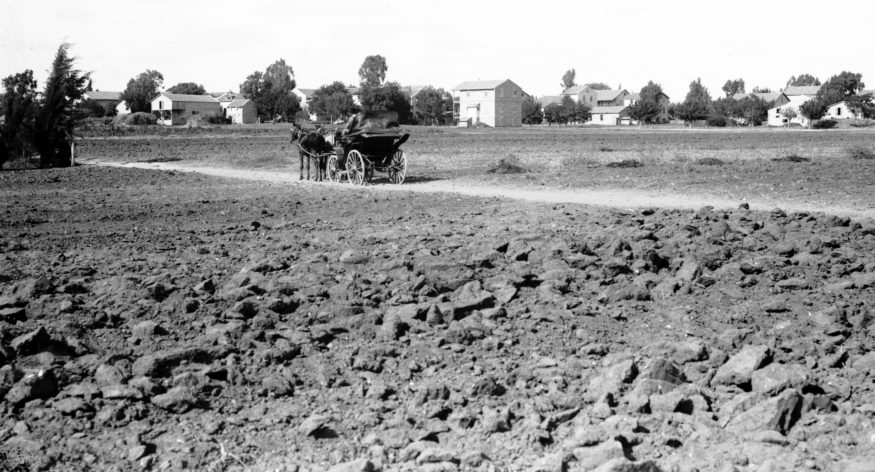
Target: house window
(160, 105)
(839, 111)
(485, 94)
(601, 117)
(467, 94)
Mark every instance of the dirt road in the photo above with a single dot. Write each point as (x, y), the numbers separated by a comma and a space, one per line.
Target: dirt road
(613, 198)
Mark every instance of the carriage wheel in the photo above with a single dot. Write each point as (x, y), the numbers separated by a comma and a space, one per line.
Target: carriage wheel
(355, 168)
(398, 167)
(331, 170)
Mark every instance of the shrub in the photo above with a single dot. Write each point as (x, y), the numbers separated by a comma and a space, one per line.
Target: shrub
(791, 158)
(508, 165)
(825, 124)
(861, 123)
(139, 118)
(860, 152)
(625, 164)
(605, 149)
(709, 161)
(218, 120)
(718, 121)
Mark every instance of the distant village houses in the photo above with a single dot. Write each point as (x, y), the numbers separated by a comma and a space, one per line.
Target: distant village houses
(108, 100)
(175, 109)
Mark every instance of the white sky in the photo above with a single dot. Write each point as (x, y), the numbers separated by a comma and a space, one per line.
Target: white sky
(443, 43)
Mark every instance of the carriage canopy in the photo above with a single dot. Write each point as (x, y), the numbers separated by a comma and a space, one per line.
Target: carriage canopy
(372, 123)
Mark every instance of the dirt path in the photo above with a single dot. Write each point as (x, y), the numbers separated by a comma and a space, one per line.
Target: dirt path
(611, 198)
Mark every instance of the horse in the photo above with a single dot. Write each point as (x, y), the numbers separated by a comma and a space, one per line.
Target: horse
(311, 144)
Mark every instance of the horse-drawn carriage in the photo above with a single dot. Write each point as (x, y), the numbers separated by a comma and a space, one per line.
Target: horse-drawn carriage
(370, 141)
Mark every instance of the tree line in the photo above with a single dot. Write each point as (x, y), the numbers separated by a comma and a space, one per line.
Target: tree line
(753, 110)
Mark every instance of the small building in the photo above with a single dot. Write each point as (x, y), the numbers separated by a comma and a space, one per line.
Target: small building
(304, 96)
(662, 99)
(241, 111)
(841, 111)
(548, 100)
(596, 98)
(795, 96)
(108, 100)
(225, 98)
(496, 103)
(611, 116)
(175, 109)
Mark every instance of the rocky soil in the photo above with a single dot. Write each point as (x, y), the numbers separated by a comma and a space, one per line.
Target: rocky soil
(166, 321)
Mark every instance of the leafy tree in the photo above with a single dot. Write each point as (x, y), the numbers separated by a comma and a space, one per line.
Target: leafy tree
(388, 97)
(644, 111)
(725, 106)
(88, 87)
(532, 111)
(93, 108)
(55, 120)
(332, 102)
(861, 104)
(840, 87)
(789, 113)
(761, 90)
(582, 112)
(188, 88)
(752, 109)
(802, 80)
(568, 79)
(19, 107)
(142, 89)
(373, 71)
(696, 105)
(598, 86)
(431, 105)
(271, 91)
(648, 106)
(569, 109)
(813, 109)
(553, 114)
(732, 87)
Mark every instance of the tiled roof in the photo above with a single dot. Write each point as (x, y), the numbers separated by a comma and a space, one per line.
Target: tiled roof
(97, 95)
(227, 96)
(307, 92)
(604, 95)
(608, 110)
(479, 85)
(238, 102)
(549, 100)
(801, 90)
(574, 90)
(179, 97)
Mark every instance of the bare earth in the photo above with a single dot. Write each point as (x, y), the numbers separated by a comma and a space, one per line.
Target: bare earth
(207, 311)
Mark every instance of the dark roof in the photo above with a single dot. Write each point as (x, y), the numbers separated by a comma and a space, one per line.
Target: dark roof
(605, 95)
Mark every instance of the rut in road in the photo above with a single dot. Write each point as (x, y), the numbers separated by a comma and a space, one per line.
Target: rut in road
(610, 198)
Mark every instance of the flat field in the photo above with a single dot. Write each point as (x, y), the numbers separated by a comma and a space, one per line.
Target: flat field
(735, 164)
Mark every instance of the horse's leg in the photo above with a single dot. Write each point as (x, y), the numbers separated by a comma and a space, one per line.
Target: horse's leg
(301, 173)
(308, 166)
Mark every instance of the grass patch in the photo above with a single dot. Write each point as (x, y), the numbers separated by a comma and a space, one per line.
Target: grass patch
(861, 123)
(791, 158)
(709, 161)
(625, 164)
(605, 149)
(860, 152)
(507, 165)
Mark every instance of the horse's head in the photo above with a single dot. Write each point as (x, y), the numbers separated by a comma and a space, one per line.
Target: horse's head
(297, 132)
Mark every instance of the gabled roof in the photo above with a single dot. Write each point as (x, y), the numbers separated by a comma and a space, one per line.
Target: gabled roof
(98, 95)
(574, 90)
(306, 92)
(801, 90)
(479, 85)
(608, 110)
(239, 102)
(767, 96)
(413, 90)
(550, 99)
(605, 95)
(227, 96)
(179, 97)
